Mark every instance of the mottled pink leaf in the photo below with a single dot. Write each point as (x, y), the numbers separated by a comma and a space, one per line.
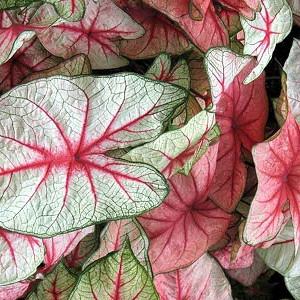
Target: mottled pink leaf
(231, 258)
(13, 291)
(19, 26)
(248, 276)
(160, 36)
(31, 57)
(244, 7)
(61, 245)
(277, 164)
(241, 113)
(183, 227)
(203, 280)
(197, 18)
(94, 35)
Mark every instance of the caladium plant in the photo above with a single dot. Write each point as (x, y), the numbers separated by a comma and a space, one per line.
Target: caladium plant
(138, 149)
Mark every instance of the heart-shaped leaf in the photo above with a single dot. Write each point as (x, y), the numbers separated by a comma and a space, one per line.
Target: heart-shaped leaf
(270, 26)
(114, 236)
(204, 279)
(54, 172)
(197, 18)
(160, 36)
(242, 112)
(94, 35)
(277, 166)
(116, 276)
(185, 214)
(20, 256)
(56, 285)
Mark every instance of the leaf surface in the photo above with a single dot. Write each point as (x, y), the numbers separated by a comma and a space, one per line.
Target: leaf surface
(57, 285)
(204, 279)
(12, 36)
(83, 251)
(241, 113)
(55, 176)
(76, 65)
(178, 150)
(71, 10)
(15, 290)
(20, 256)
(277, 167)
(160, 36)
(161, 70)
(116, 276)
(31, 57)
(197, 18)
(292, 69)
(185, 214)
(245, 7)
(114, 236)
(270, 26)
(94, 35)
(61, 245)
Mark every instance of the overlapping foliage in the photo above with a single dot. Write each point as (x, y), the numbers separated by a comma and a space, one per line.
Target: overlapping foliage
(132, 140)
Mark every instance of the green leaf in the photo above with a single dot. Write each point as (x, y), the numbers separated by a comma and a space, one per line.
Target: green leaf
(117, 276)
(161, 69)
(178, 150)
(56, 285)
(270, 26)
(115, 234)
(55, 175)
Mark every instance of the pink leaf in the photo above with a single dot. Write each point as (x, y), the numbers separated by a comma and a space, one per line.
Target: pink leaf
(61, 245)
(20, 255)
(244, 7)
(230, 258)
(160, 36)
(277, 164)
(185, 214)
(12, 36)
(15, 290)
(203, 280)
(31, 57)
(248, 276)
(94, 35)
(241, 113)
(197, 18)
